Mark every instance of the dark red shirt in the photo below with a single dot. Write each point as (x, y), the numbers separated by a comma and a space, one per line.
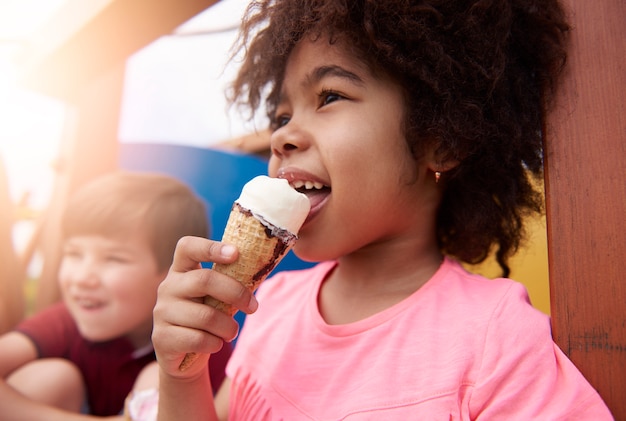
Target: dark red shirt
(109, 368)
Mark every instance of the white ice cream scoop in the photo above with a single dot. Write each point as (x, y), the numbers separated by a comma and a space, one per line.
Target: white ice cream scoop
(274, 201)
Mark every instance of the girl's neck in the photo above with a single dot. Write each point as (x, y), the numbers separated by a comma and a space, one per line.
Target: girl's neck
(367, 282)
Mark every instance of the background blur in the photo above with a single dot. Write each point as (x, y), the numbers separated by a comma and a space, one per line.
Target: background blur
(172, 93)
(101, 79)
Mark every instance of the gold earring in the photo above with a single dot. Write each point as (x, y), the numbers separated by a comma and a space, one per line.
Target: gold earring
(437, 176)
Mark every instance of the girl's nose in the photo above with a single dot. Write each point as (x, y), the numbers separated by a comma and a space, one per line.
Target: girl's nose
(288, 139)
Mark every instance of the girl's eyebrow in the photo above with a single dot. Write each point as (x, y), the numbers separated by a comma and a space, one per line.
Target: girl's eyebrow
(319, 73)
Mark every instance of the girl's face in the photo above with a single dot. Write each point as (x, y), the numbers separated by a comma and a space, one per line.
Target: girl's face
(339, 129)
(110, 286)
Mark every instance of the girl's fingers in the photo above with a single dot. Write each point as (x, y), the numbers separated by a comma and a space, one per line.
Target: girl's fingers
(188, 280)
(199, 283)
(196, 317)
(182, 322)
(191, 251)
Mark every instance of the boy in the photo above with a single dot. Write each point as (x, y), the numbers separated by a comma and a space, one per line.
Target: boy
(119, 233)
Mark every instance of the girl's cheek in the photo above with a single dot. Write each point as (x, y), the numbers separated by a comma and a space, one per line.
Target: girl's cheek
(273, 166)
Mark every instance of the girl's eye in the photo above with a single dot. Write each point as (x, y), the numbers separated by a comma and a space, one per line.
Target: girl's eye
(327, 97)
(280, 121)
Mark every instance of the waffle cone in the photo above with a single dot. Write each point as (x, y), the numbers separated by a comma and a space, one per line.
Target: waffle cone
(261, 248)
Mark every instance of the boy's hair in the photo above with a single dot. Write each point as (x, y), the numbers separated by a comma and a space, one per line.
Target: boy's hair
(164, 208)
(478, 76)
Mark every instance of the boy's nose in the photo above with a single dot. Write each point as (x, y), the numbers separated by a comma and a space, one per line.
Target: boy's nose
(85, 276)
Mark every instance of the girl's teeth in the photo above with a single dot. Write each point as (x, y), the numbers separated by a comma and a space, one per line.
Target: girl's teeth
(307, 185)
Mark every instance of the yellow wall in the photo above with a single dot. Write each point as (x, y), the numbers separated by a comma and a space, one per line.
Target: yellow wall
(529, 266)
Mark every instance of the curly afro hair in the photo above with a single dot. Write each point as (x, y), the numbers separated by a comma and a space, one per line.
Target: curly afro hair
(478, 75)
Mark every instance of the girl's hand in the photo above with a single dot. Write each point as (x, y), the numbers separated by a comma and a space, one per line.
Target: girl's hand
(182, 322)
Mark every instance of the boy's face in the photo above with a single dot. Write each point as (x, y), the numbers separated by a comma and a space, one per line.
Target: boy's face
(340, 126)
(109, 285)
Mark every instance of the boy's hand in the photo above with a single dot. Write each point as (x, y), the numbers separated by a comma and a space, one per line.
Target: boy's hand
(182, 322)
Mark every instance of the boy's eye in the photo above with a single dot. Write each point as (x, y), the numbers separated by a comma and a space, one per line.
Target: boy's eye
(71, 252)
(116, 259)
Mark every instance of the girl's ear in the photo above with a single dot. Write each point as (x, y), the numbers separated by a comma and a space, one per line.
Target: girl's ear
(440, 164)
(444, 166)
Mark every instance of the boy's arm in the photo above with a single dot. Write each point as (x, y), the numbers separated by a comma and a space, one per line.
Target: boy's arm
(148, 378)
(222, 399)
(17, 350)
(14, 406)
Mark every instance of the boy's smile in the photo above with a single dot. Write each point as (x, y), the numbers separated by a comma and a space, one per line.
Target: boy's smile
(109, 285)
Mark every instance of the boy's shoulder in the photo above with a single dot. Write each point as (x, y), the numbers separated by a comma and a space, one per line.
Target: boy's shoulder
(55, 334)
(54, 317)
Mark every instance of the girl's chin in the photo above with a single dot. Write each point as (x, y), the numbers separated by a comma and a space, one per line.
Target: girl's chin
(305, 253)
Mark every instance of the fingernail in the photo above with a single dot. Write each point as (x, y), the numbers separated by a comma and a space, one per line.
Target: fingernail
(233, 338)
(228, 250)
(253, 304)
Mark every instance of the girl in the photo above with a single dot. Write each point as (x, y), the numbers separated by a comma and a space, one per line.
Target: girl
(421, 120)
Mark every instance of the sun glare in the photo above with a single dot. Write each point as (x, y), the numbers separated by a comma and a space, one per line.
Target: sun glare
(30, 123)
(29, 141)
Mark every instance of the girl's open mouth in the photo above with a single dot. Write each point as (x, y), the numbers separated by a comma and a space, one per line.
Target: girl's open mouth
(317, 193)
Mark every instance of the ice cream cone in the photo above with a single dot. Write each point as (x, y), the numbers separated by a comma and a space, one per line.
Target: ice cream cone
(263, 224)
(261, 247)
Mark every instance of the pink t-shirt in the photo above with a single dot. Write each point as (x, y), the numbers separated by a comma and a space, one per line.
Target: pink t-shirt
(462, 347)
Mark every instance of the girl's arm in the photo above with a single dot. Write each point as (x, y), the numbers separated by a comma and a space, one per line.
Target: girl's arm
(183, 324)
(186, 398)
(524, 375)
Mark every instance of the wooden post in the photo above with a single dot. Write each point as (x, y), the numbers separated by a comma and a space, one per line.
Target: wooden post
(12, 274)
(586, 200)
